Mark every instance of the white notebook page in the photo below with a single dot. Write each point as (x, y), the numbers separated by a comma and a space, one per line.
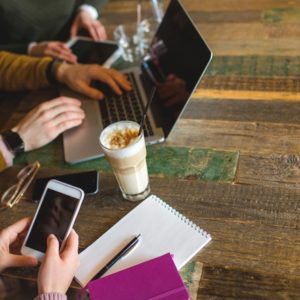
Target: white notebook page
(162, 230)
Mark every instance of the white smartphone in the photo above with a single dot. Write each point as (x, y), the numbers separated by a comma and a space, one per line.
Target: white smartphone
(56, 213)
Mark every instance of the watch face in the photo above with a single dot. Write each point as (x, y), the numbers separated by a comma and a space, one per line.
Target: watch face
(13, 141)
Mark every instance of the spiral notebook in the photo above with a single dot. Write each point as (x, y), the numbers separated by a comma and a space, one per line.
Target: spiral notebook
(162, 229)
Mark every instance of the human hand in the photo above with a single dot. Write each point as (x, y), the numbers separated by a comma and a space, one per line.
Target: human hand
(58, 269)
(46, 121)
(94, 28)
(79, 77)
(10, 244)
(172, 90)
(54, 49)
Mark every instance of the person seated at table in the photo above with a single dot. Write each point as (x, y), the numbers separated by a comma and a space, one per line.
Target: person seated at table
(39, 28)
(57, 268)
(45, 122)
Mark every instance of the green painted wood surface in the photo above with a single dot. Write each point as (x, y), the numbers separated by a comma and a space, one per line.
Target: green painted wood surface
(282, 15)
(254, 66)
(181, 162)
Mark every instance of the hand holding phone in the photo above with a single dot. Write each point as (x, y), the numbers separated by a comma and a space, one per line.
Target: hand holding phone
(65, 262)
(56, 214)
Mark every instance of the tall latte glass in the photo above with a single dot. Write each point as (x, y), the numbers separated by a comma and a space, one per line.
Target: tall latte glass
(126, 152)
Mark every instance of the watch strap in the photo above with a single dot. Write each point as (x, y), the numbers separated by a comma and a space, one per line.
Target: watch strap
(13, 141)
(51, 71)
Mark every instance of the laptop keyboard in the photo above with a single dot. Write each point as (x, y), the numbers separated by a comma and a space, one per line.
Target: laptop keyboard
(128, 106)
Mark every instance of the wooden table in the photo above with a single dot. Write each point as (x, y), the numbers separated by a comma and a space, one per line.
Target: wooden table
(240, 179)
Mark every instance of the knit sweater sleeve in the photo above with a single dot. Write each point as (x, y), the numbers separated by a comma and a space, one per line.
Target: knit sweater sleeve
(51, 296)
(22, 72)
(6, 157)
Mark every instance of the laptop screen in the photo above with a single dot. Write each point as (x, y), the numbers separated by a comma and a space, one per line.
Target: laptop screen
(177, 58)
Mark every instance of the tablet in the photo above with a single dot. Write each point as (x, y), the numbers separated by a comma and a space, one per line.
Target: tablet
(95, 52)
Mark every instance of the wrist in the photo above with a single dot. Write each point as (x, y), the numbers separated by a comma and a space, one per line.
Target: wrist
(60, 72)
(52, 70)
(13, 142)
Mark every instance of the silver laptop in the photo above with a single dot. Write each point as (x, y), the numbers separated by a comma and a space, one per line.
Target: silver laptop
(176, 60)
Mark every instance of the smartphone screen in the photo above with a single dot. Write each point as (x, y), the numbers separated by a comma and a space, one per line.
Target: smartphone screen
(54, 216)
(87, 181)
(91, 52)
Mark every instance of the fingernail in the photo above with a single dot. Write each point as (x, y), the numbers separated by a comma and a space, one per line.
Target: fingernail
(51, 236)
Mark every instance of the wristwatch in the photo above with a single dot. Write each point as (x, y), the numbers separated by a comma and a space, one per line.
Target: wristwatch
(13, 142)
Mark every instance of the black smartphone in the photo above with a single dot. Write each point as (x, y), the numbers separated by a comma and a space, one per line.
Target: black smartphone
(95, 52)
(87, 181)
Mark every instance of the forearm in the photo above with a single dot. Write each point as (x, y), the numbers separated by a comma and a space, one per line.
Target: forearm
(21, 72)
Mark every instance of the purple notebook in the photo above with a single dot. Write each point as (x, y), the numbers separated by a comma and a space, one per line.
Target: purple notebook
(154, 279)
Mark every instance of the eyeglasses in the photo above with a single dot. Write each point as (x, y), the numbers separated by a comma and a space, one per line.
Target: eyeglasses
(14, 193)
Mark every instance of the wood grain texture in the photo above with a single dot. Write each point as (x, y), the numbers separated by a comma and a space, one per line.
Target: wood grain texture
(270, 170)
(254, 231)
(249, 137)
(246, 111)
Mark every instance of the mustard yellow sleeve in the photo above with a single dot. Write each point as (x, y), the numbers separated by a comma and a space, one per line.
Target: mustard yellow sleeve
(22, 72)
(3, 163)
(6, 157)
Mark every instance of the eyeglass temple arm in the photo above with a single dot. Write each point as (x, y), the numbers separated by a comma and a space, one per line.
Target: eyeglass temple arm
(24, 187)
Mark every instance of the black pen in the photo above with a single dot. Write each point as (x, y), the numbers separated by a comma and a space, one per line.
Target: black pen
(118, 256)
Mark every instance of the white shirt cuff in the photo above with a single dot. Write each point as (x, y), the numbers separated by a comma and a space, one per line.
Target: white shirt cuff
(90, 9)
(30, 47)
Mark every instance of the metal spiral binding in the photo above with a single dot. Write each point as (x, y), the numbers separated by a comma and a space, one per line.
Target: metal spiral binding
(182, 217)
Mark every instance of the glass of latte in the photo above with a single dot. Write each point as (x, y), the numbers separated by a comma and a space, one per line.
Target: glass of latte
(125, 150)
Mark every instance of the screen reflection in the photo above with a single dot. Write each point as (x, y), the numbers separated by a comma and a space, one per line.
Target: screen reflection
(175, 62)
(55, 215)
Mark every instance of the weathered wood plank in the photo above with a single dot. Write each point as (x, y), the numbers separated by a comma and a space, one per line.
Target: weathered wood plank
(227, 5)
(211, 6)
(271, 29)
(246, 95)
(270, 170)
(286, 47)
(246, 222)
(254, 66)
(252, 285)
(254, 137)
(259, 87)
(234, 29)
(283, 112)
